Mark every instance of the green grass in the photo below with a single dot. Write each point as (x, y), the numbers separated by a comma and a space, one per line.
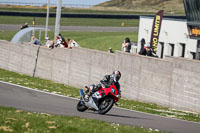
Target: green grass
(70, 21)
(92, 40)
(52, 87)
(18, 121)
(158, 110)
(37, 83)
(7, 35)
(100, 40)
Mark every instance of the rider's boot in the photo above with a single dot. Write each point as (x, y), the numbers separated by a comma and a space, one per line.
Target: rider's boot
(87, 96)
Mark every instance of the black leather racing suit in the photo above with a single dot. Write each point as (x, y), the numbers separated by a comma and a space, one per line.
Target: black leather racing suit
(107, 82)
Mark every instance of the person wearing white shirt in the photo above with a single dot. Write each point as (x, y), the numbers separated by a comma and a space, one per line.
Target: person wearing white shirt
(72, 43)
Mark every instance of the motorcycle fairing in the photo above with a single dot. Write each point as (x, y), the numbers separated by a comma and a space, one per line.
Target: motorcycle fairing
(97, 95)
(91, 103)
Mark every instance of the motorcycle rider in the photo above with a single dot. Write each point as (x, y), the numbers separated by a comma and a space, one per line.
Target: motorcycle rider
(107, 81)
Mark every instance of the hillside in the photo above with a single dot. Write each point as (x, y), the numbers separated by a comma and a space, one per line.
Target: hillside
(169, 6)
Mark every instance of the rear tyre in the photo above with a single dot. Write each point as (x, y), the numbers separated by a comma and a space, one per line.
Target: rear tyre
(105, 105)
(81, 106)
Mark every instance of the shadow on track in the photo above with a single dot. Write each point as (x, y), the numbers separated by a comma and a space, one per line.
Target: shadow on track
(119, 116)
(124, 116)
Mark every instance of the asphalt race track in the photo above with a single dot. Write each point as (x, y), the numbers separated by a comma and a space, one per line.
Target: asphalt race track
(37, 101)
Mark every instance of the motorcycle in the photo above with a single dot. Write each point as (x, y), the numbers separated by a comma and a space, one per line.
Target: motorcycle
(101, 101)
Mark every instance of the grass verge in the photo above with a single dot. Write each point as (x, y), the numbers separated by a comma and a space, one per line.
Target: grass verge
(70, 21)
(18, 121)
(52, 87)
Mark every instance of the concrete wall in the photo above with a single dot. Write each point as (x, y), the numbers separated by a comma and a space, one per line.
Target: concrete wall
(145, 78)
(185, 84)
(77, 67)
(173, 82)
(18, 58)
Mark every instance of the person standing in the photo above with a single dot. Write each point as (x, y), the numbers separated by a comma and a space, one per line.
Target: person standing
(127, 45)
(142, 49)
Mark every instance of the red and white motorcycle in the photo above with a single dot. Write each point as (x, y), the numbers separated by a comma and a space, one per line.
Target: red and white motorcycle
(101, 101)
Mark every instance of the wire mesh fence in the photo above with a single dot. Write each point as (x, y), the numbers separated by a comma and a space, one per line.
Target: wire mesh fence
(36, 3)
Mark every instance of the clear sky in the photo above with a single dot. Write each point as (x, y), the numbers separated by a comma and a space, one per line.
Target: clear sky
(77, 2)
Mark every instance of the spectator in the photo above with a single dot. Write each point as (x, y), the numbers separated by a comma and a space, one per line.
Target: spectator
(24, 26)
(142, 49)
(48, 43)
(72, 43)
(148, 51)
(110, 50)
(59, 42)
(35, 41)
(63, 42)
(127, 45)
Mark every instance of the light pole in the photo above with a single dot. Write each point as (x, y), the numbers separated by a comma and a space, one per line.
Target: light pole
(47, 19)
(58, 16)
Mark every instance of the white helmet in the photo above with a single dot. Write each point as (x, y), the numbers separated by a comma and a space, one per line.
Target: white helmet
(116, 75)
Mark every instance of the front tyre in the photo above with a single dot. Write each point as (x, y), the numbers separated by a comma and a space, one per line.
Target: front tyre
(81, 106)
(105, 105)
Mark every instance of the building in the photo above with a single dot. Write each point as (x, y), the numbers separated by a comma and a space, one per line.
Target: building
(192, 10)
(174, 39)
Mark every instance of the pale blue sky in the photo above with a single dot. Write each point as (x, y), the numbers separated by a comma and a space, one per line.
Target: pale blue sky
(77, 2)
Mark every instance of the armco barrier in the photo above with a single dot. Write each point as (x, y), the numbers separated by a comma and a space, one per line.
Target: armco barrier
(173, 83)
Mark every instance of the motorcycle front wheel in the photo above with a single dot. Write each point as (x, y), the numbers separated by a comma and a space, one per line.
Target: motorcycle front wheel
(105, 105)
(81, 106)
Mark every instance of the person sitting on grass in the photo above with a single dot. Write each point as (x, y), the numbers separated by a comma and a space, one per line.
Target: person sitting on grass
(35, 41)
(24, 26)
(63, 42)
(72, 43)
(59, 42)
(49, 43)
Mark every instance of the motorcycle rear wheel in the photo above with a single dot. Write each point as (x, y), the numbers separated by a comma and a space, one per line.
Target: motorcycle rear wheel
(105, 105)
(81, 106)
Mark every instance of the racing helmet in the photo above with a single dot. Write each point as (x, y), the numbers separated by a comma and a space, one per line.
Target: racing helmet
(116, 75)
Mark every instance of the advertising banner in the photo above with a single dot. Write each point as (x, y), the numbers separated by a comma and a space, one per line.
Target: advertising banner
(156, 30)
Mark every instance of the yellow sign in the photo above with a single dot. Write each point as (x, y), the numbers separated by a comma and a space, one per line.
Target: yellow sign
(196, 32)
(122, 24)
